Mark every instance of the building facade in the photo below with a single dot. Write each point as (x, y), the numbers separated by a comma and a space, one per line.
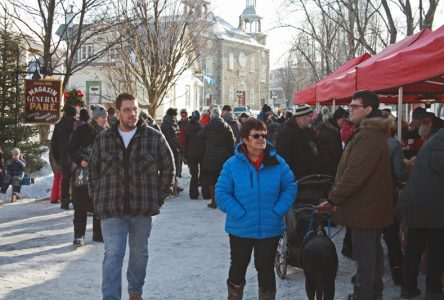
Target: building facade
(234, 60)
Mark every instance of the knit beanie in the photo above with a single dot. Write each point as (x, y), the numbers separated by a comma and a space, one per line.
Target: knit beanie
(98, 111)
(303, 110)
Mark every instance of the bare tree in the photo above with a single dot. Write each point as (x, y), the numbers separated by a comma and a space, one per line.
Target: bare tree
(79, 24)
(162, 45)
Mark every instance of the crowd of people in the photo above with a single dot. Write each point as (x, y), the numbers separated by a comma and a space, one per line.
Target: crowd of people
(120, 165)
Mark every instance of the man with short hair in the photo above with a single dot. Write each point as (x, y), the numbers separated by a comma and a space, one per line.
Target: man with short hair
(297, 144)
(183, 125)
(362, 193)
(131, 172)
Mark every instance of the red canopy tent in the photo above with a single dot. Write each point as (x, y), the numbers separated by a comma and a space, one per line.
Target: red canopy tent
(419, 69)
(346, 83)
(308, 95)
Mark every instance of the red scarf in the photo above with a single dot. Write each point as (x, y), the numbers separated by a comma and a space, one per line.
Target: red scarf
(256, 164)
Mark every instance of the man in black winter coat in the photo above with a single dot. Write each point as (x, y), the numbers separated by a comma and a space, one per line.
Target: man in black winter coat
(297, 143)
(59, 147)
(330, 143)
(421, 205)
(171, 130)
(218, 140)
(193, 151)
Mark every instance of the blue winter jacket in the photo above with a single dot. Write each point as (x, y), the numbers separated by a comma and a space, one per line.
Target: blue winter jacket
(255, 201)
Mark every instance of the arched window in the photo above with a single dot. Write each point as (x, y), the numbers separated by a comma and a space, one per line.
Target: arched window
(231, 61)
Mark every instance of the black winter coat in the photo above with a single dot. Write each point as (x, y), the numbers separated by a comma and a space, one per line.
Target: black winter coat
(82, 138)
(170, 130)
(60, 140)
(330, 147)
(234, 124)
(421, 202)
(194, 148)
(299, 149)
(218, 140)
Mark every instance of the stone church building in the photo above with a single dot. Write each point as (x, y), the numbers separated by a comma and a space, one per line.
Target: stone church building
(234, 60)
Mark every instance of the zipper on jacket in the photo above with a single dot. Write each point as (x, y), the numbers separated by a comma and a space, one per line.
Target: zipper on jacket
(251, 179)
(260, 206)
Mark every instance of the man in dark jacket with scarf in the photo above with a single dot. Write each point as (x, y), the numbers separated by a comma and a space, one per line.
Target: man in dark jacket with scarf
(131, 171)
(59, 148)
(297, 143)
(421, 205)
(193, 151)
(363, 195)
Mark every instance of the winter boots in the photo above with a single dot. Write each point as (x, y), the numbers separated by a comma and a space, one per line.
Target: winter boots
(79, 242)
(133, 296)
(267, 294)
(235, 291)
(213, 203)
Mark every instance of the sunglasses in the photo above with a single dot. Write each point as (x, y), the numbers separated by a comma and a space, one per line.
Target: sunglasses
(257, 136)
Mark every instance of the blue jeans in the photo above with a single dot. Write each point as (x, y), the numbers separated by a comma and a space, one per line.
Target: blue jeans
(115, 232)
(369, 256)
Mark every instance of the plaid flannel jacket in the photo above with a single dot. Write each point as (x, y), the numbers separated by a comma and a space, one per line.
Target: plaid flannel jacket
(131, 181)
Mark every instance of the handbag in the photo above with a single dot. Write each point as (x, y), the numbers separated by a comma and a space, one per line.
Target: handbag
(81, 177)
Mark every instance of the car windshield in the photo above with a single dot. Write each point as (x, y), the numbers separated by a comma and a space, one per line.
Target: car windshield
(238, 109)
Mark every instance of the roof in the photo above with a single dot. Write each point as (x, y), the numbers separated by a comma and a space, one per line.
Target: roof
(225, 31)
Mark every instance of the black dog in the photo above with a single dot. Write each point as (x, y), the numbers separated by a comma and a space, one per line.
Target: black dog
(319, 260)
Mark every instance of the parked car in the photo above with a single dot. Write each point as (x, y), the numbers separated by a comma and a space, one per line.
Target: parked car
(238, 110)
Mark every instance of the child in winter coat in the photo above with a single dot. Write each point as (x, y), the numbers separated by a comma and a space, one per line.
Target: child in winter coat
(14, 173)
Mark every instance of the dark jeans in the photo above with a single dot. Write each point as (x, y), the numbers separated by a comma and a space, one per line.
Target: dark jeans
(82, 205)
(369, 256)
(194, 166)
(66, 183)
(391, 238)
(264, 255)
(15, 181)
(417, 238)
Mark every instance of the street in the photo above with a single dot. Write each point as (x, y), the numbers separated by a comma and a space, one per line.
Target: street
(189, 256)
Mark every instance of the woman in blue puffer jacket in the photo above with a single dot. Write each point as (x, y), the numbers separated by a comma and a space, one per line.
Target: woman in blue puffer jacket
(255, 189)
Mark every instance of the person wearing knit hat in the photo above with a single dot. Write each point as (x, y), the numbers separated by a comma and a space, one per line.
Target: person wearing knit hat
(265, 113)
(98, 111)
(297, 143)
(80, 148)
(303, 110)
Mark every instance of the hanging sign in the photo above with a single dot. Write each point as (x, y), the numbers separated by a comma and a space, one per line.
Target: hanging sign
(42, 101)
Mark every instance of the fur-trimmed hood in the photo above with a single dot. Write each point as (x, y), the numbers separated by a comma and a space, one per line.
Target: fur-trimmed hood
(378, 123)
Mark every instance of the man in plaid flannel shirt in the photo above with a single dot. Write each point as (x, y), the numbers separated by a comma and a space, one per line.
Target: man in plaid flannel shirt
(131, 172)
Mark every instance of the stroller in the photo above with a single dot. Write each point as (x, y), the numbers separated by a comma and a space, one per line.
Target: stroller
(312, 191)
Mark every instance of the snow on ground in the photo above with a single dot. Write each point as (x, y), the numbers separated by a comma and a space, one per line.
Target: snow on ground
(189, 254)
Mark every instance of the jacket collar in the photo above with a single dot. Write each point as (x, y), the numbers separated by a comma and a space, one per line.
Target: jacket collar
(269, 160)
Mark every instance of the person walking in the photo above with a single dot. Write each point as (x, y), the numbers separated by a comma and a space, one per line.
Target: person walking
(193, 151)
(80, 148)
(183, 124)
(362, 193)
(131, 172)
(59, 146)
(170, 130)
(297, 143)
(218, 140)
(421, 206)
(255, 189)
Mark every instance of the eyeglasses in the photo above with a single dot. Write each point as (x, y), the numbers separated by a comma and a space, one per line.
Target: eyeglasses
(355, 106)
(130, 110)
(257, 136)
